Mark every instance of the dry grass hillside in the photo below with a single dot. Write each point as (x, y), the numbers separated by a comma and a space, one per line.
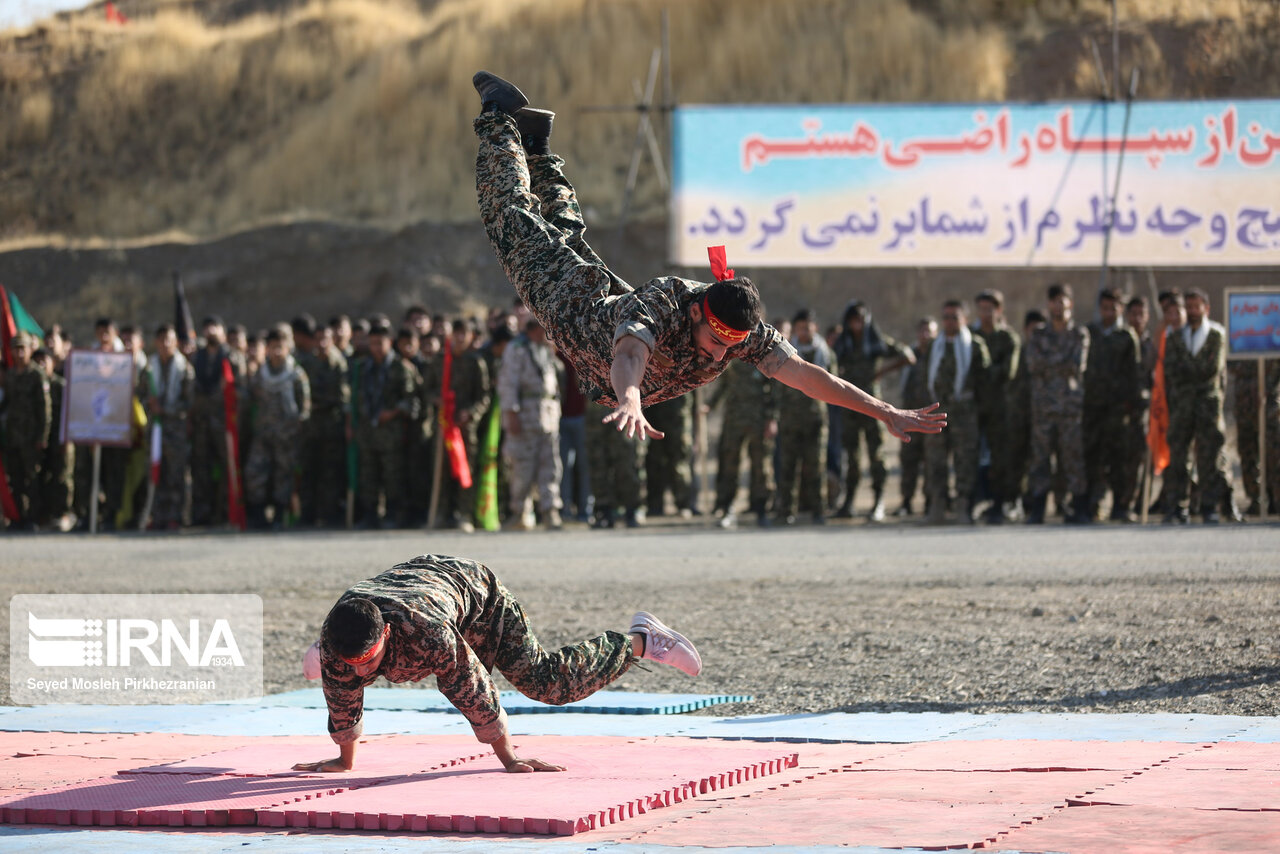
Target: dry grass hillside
(202, 118)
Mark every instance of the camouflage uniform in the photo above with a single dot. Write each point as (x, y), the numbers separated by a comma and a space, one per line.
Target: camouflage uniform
(1112, 393)
(960, 440)
(209, 434)
(1018, 404)
(451, 618)
(472, 390)
(168, 391)
(1002, 345)
(282, 400)
(802, 437)
(386, 386)
(529, 386)
(666, 462)
(322, 465)
(59, 464)
(1055, 369)
(750, 404)
(915, 394)
(28, 424)
(1135, 460)
(422, 438)
(858, 361)
(1194, 386)
(532, 217)
(1244, 380)
(613, 461)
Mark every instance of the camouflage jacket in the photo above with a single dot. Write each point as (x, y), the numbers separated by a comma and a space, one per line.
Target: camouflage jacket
(1003, 345)
(658, 314)
(167, 391)
(28, 406)
(1055, 367)
(385, 386)
(1112, 377)
(793, 402)
(282, 398)
(529, 384)
(748, 396)
(1199, 375)
(440, 609)
(472, 385)
(330, 383)
(859, 364)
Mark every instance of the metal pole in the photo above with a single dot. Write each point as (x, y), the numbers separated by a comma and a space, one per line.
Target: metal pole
(1115, 192)
(1263, 498)
(93, 491)
(1115, 47)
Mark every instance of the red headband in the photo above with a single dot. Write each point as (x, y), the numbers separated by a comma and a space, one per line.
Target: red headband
(364, 657)
(720, 269)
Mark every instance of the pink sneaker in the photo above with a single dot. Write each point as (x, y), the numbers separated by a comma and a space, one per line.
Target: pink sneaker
(665, 646)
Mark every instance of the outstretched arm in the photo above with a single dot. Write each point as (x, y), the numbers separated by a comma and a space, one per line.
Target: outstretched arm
(821, 385)
(630, 358)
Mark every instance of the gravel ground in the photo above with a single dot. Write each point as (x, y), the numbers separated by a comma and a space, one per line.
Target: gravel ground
(842, 618)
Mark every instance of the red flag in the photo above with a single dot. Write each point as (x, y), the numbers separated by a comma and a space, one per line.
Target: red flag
(719, 263)
(115, 16)
(8, 329)
(453, 444)
(235, 500)
(1158, 431)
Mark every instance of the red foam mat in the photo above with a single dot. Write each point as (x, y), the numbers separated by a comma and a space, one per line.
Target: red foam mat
(1147, 830)
(375, 760)
(1232, 755)
(999, 755)
(34, 773)
(28, 743)
(605, 783)
(1173, 787)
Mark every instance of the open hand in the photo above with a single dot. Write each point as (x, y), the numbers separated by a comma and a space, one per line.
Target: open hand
(630, 420)
(526, 766)
(324, 765)
(927, 420)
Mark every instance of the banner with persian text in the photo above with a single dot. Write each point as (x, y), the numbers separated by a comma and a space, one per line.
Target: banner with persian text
(987, 185)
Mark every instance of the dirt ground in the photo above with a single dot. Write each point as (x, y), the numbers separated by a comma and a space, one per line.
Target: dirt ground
(847, 617)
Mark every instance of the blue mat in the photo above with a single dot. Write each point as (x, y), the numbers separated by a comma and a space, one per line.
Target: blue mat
(1108, 727)
(600, 703)
(871, 728)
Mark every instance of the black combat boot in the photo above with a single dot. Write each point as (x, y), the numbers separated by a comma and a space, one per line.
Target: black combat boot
(1080, 514)
(535, 129)
(498, 94)
(1035, 509)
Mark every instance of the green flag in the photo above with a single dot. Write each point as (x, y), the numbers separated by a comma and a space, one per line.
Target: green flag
(487, 494)
(22, 319)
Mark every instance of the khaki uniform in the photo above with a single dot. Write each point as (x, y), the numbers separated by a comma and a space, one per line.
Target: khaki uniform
(282, 402)
(1055, 369)
(529, 385)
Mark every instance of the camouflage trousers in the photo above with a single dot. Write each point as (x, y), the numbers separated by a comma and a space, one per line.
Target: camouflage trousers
(1004, 478)
(272, 465)
(857, 430)
(382, 467)
(1056, 436)
(1135, 459)
(57, 480)
(208, 462)
(736, 433)
(956, 448)
(666, 462)
(22, 465)
(1106, 451)
(613, 460)
(533, 220)
(534, 457)
(802, 436)
(911, 459)
(1196, 420)
(171, 492)
(322, 467)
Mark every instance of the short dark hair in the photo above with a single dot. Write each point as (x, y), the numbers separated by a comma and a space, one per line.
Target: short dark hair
(955, 303)
(1112, 294)
(210, 320)
(1035, 315)
(274, 334)
(353, 626)
(103, 323)
(360, 325)
(1136, 302)
(303, 324)
(407, 333)
(380, 328)
(237, 329)
(164, 329)
(927, 320)
(500, 335)
(1171, 295)
(803, 314)
(1200, 294)
(736, 302)
(129, 331)
(337, 320)
(992, 296)
(1061, 289)
(417, 308)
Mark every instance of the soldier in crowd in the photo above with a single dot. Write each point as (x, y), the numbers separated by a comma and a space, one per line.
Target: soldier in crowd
(956, 378)
(614, 464)
(360, 338)
(322, 466)
(1003, 345)
(575, 481)
(750, 410)
(386, 407)
(28, 410)
(58, 345)
(667, 465)
(167, 387)
(1018, 403)
(1137, 318)
(472, 387)
(915, 387)
(1112, 396)
(209, 425)
(1056, 358)
(340, 327)
(529, 392)
(422, 431)
(492, 351)
(282, 403)
(802, 431)
(1244, 382)
(57, 466)
(864, 354)
(1195, 362)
